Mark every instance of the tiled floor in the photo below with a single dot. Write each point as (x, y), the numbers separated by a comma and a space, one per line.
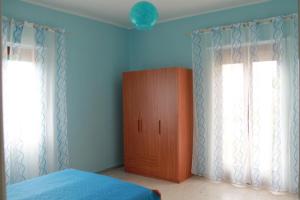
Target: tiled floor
(197, 188)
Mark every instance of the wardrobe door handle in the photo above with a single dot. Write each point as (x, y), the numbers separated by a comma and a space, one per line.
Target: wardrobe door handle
(8, 52)
(138, 125)
(141, 129)
(159, 127)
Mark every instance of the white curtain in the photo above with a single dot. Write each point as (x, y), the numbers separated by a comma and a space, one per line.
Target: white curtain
(247, 104)
(2, 172)
(34, 101)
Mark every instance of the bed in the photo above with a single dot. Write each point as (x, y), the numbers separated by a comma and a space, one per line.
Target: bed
(77, 185)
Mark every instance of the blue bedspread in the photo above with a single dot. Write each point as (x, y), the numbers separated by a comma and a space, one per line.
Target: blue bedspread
(78, 185)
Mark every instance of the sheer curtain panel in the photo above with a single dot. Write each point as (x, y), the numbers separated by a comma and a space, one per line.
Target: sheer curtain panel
(2, 172)
(34, 99)
(246, 95)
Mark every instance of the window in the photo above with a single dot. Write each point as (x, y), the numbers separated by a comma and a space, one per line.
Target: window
(248, 108)
(246, 88)
(35, 115)
(22, 103)
(233, 108)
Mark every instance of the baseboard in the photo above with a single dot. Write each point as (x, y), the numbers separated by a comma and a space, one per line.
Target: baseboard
(110, 168)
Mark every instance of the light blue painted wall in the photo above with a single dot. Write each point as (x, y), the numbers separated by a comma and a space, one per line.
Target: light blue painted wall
(168, 44)
(96, 55)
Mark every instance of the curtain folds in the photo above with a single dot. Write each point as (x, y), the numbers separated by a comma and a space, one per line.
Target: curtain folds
(34, 99)
(247, 104)
(2, 170)
(60, 102)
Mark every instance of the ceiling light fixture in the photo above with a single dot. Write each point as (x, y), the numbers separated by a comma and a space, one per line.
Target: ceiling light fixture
(143, 15)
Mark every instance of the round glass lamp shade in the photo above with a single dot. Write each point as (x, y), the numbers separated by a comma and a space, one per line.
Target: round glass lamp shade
(143, 15)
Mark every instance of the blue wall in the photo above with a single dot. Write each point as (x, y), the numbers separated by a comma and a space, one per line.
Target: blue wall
(169, 45)
(96, 55)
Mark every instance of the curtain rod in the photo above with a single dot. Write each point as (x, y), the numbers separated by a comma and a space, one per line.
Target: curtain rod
(47, 28)
(244, 24)
(34, 25)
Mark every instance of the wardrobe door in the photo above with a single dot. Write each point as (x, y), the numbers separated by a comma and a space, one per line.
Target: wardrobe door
(131, 121)
(167, 123)
(134, 124)
(185, 127)
(150, 133)
(140, 145)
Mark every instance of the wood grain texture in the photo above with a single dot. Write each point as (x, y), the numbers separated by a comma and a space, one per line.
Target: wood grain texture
(167, 103)
(185, 127)
(140, 147)
(155, 142)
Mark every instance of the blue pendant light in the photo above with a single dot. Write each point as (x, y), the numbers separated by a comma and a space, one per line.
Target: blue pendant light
(143, 15)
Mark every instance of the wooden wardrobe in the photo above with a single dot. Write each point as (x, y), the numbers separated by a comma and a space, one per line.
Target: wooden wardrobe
(158, 123)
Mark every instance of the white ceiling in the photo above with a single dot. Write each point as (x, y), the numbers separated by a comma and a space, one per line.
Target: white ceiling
(116, 11)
